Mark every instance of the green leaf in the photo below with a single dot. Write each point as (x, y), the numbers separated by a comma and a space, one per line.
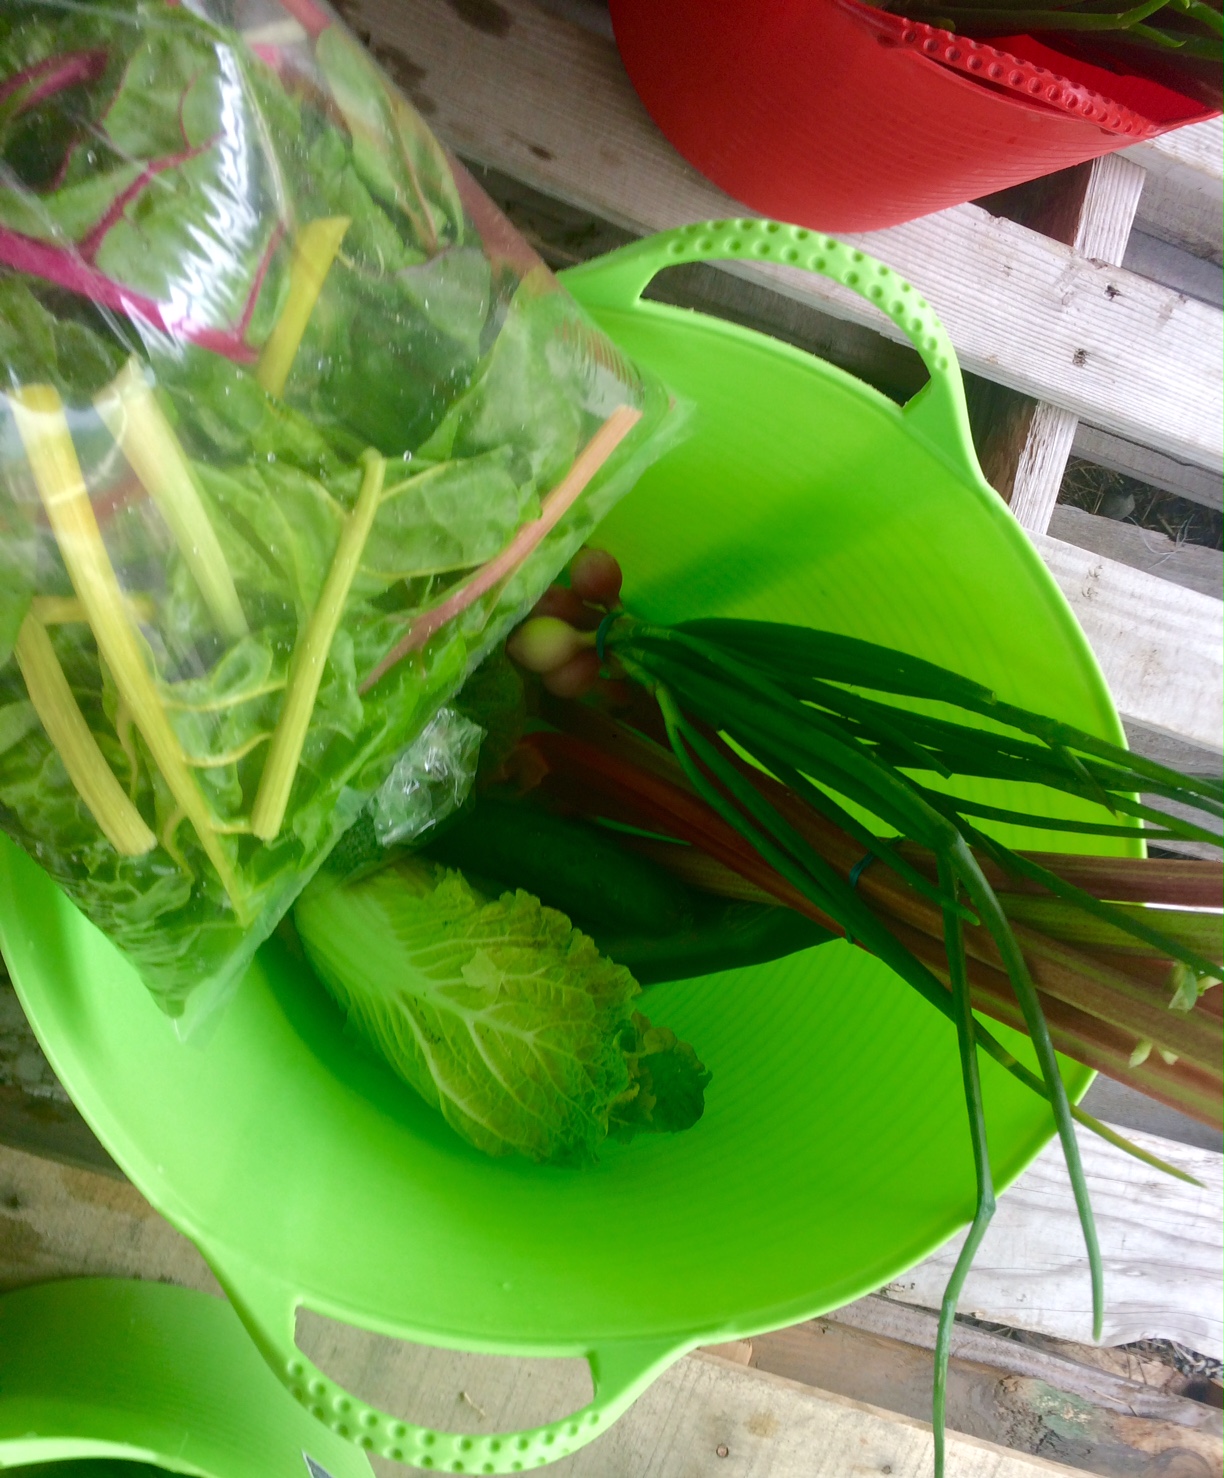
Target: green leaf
(392, 389)
(668, 1082)
(523, 395)
(396, 156)
(225, 414)
(182, 107)
(499, 1014)
(494, 697)
(37, 345)
(278, 528)
(450, 517)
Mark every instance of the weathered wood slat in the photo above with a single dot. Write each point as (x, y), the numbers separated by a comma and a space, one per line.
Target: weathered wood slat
(1104, 226)
(1041, 465)
(1181, 202)
(1159, 645)
(549, 103)
(1127, 1395)
(1189, 565)
(1161, 1242)
(999, 1389)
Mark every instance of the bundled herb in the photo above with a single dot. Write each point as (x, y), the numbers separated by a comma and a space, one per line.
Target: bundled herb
(293, 427)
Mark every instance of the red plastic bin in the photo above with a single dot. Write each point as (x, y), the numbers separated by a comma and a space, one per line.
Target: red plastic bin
(841, 117)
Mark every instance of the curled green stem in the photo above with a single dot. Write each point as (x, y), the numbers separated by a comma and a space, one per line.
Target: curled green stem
(995, 920)
(966, 1037)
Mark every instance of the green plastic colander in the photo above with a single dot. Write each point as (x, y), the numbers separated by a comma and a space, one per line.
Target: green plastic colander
(98, 1375)
(834, 1150)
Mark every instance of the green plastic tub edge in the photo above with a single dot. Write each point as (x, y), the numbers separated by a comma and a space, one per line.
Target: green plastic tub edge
(151, 1374)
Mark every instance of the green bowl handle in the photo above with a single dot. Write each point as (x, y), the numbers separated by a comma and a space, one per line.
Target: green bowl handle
(620, 1372)
(936, 414)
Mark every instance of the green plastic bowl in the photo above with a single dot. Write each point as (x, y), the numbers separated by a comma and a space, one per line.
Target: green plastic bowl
(107, 1378)
(834, 1151)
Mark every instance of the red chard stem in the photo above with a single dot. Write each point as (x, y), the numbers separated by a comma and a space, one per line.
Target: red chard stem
(53, 75)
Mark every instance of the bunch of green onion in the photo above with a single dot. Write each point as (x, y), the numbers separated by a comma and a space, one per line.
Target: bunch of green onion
(741, 701)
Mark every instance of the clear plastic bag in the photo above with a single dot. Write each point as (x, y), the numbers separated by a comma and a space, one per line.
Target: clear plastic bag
(430, 781)
(293, 427)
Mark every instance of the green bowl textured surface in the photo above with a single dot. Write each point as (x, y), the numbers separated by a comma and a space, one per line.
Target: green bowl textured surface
(108, 1378)
(834, 1151)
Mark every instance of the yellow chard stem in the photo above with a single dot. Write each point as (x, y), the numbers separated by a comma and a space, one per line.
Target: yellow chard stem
(67, 610)
(43, 428)
(133, 417)
(310, 657)
(314, 251)
(118, 819)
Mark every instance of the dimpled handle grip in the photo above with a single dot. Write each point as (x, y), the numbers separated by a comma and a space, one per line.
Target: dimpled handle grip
(936, 414)
(619, 1374)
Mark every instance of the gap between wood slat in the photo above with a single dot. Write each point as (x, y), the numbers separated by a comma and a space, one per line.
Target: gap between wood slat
(1116, 454)
(1025, 443)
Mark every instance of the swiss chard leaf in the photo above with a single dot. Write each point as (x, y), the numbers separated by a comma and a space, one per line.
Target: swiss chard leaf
(397, 158)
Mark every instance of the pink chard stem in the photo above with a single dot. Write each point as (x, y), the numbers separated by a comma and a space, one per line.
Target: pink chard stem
(313, 19)
(63, 267)
(54, 75)
(563, 496)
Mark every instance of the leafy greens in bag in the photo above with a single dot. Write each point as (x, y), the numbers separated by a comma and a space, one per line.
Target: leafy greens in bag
(292, 429)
